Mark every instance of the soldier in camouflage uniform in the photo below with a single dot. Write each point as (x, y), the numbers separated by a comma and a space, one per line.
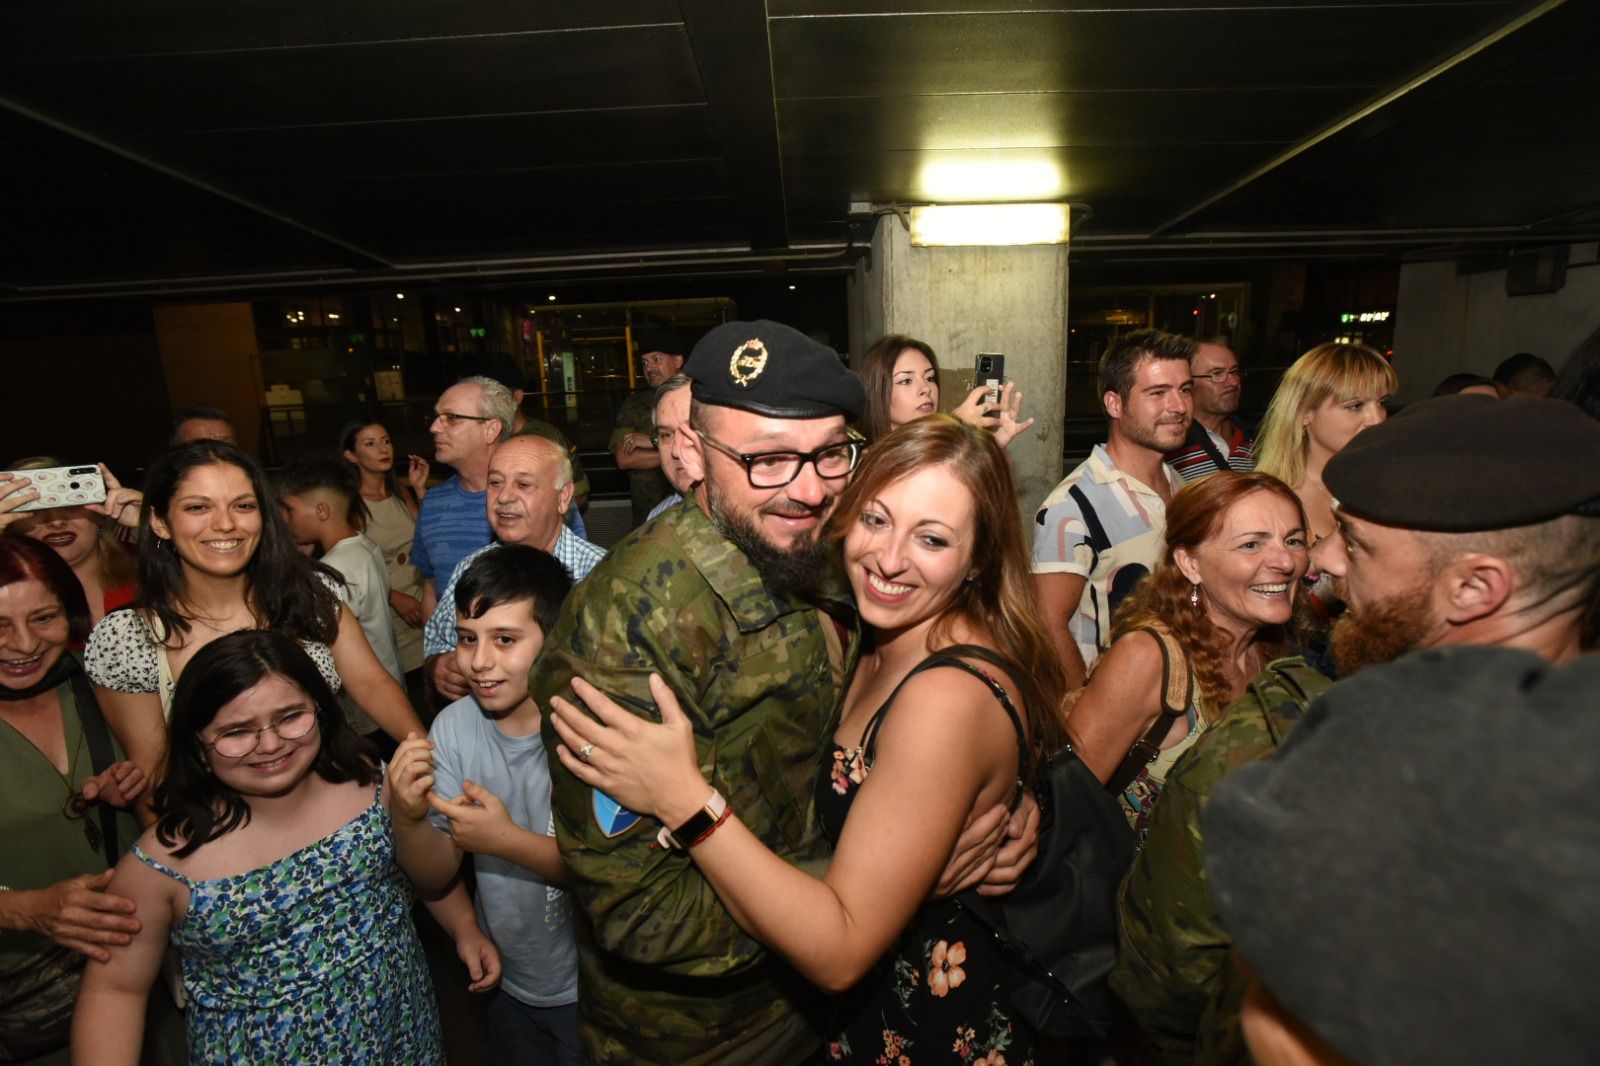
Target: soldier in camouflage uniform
(706, 596)
(1174, 968)
(1428, 557)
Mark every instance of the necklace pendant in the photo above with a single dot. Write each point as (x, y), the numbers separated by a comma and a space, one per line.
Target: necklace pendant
(91, 833)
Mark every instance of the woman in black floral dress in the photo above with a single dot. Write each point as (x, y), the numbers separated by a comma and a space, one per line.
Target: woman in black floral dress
(933, 546)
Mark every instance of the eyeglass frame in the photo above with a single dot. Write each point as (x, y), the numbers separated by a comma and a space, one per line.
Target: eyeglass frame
(274, 726)
(747, 459)
(1226, 372)
(655, 437)
(451, 418)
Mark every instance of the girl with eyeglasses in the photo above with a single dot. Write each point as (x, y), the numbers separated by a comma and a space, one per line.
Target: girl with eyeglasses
(271, 867)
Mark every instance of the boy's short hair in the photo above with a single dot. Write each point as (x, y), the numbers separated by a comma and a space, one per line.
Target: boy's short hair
(327, 475)
(510, 573)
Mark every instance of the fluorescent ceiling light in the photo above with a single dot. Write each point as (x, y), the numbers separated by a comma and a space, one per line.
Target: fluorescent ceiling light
(943, 225)
(988, 177)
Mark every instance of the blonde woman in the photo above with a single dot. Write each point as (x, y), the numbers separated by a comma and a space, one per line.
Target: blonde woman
(1330, 394)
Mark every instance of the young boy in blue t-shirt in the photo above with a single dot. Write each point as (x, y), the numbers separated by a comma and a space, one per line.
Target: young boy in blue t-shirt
(480, 784)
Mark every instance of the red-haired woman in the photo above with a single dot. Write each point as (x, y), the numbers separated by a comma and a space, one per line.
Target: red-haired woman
(1191, 635)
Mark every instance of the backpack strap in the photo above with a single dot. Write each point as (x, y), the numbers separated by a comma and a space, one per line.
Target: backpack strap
(1177, 693)
(952, 656)
(101, 755)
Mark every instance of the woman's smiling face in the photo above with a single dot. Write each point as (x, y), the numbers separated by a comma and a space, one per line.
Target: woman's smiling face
(910, 548)
(214, 520)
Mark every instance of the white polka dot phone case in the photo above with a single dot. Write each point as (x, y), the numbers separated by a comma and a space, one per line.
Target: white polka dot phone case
(63, 486)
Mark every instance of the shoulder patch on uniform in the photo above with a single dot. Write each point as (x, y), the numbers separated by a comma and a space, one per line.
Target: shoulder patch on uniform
(612, 818)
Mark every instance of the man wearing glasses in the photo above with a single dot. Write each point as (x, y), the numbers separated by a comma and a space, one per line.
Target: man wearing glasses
(470, 418)
(1217, 440)
(736, 604)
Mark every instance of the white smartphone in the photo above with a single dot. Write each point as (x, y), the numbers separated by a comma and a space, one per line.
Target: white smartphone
(63, 486)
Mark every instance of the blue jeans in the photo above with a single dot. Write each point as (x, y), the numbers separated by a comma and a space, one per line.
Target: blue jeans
(523, 1035)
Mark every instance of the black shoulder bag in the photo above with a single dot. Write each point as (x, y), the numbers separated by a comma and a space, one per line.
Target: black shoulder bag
(1058, 927)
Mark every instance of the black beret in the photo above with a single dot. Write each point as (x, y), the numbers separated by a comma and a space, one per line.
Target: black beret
(1414, 874)
(773, 370)
(1459, 464)
(665, 339)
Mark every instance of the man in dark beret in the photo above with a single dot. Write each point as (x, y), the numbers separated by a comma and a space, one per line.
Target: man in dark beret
(736, 604)
(1462, 520)
(1466, 520)
(1411, 879)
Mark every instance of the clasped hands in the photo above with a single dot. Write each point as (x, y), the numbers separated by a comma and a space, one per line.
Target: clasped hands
(479, 821)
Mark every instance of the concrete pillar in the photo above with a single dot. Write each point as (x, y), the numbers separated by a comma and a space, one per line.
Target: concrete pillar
(963, 301)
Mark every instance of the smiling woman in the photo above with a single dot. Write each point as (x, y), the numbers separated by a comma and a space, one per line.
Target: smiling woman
(213, 559)
(1191, 635)
(934, 551)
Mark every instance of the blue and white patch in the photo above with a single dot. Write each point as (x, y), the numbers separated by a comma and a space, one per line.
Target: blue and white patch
(612, 818)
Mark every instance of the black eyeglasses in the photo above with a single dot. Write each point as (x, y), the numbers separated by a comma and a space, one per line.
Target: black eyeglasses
(452, 419)
(1219, 375)
(237, 743)
(774, 470)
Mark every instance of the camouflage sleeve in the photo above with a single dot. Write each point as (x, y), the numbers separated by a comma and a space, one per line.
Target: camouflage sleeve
(647, 904)
(1171, 941)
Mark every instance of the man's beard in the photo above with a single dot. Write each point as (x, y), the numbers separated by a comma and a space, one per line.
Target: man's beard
(1383, 632)
(1149, 435)
(795, 573)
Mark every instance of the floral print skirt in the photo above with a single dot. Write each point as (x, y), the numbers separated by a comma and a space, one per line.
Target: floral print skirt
(939, 996)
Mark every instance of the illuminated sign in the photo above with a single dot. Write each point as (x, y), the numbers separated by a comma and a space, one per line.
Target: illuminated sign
(1364, 316)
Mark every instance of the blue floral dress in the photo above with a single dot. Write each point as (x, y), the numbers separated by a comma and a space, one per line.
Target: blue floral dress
(310, 959)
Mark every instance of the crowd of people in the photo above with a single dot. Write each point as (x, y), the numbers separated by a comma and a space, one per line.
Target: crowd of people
(731, 790)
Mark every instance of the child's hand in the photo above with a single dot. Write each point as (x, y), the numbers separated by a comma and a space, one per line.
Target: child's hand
(482, 959)
(479, 821)
(411, 778)
(120, 784)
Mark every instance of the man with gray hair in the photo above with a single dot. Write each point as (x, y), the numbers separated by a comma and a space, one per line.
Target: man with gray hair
(529, 491)
(470, 418)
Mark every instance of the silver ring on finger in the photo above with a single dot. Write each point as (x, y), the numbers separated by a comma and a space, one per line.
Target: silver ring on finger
(585, 752)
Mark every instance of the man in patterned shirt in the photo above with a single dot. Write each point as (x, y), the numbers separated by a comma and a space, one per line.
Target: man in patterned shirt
(1104, 526)
(529, 490)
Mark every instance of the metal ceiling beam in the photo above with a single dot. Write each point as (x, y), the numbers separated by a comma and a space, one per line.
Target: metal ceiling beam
(734, 55)
(1409, 88)
(359, 256)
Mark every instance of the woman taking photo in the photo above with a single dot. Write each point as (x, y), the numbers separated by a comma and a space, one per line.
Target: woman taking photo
(83, 536)
(216, 557)
(901, 375)
(1188, 639)
(933, 546)
(1330, 394)
(60, 772)
(392, 524)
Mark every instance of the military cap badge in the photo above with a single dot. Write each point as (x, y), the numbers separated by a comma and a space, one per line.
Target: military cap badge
(749, 360)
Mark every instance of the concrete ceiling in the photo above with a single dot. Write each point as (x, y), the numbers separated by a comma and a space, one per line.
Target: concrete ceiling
(171, 146)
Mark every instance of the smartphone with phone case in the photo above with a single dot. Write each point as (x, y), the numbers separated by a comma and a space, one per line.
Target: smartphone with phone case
(63, 486)
(990, 372)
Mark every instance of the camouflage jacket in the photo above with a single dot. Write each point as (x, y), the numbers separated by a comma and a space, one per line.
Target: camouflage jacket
(665, 974)
(1174, 969)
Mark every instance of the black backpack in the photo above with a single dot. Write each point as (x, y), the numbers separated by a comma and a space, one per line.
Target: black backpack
(1058, 927)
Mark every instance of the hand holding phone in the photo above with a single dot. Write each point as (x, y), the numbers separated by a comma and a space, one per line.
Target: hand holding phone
(62, 486)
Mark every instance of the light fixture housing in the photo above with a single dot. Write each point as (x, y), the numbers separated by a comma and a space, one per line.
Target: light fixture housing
(955, 225)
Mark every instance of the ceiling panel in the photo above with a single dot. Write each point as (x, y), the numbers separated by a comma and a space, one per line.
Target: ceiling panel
(414, 130)
(359, 83)
(76, 29)
(1123, 50)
